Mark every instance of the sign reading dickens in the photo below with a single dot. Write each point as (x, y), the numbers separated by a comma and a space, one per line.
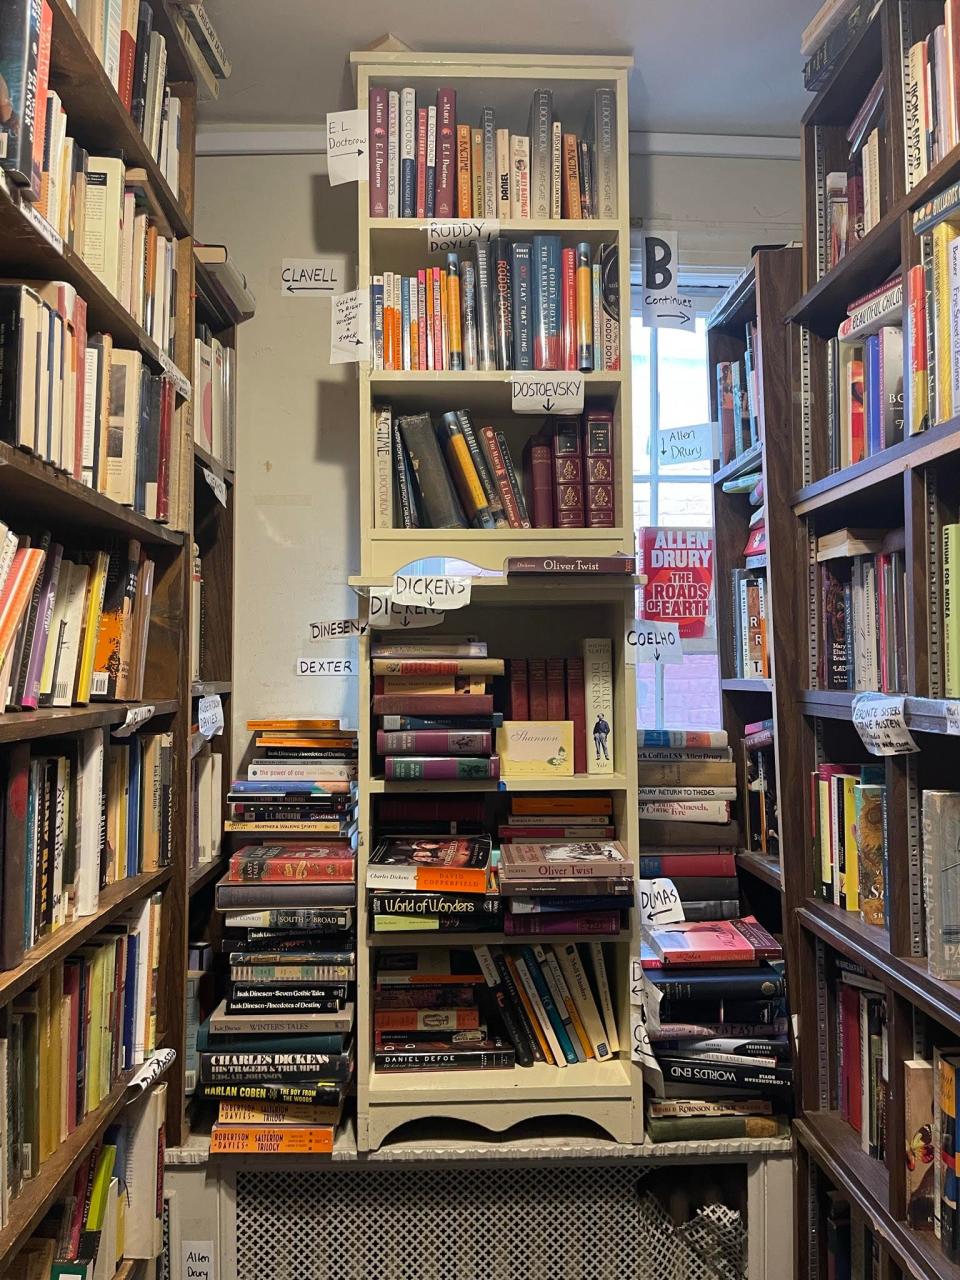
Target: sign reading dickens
(678, 564)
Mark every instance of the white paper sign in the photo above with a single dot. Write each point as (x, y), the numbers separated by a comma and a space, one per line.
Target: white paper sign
(678, 446)
(136, 716)
(547, 393)
(218, 486)
(347, 146)
(654, 642)
(48, 232)
(436, 591)
(179, 379)
(880, 721)
(350, 327)
(152, 1070)
(210, 716)
(659, 902)
(641, 1050)
(384, 613)
(311, 277)
(450, 237)
(337, 629)
(197, 1260)
(951, 712)
(328, 666)
(664, 305)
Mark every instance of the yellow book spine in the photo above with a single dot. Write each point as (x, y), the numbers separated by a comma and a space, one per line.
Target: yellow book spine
(266, 1140)
(850, 844)
(826, 862)
(951, 611)
(100, 1188)
(91, 624)
(943, 233)
(465, 475)
(45, 1119)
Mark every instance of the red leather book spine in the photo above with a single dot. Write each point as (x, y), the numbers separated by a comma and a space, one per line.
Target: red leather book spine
(539, 705)
(577, 712)
(519, 699)
(379, 130)
(567, 473)
(538, 478)
(556, 693)
(421, 205)
(599, 494)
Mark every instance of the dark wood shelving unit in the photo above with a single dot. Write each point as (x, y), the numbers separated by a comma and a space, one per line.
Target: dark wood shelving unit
(762, 866)
(756, 685)
(50, 722)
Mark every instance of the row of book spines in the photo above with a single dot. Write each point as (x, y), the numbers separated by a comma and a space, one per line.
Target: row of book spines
(424, 164)
(861, 1028)
(750, 641)
(870, 395)
(863, 622)
(738, 402)
(849, 815)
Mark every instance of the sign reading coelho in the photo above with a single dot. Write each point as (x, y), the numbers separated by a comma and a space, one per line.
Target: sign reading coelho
(678, 564)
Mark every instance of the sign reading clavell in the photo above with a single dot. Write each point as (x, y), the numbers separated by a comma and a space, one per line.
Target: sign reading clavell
(678, 564)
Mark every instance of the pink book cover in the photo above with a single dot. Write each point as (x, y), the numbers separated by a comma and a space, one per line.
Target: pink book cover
(422, 352)
(702, 942)
(421, 205)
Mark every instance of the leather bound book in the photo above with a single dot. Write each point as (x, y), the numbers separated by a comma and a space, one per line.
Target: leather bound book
(567, 473)
(556, 692)
(538, 480)
(597, 442)
(519, 698)
(438, 498)
(537, 684)
(577, 712)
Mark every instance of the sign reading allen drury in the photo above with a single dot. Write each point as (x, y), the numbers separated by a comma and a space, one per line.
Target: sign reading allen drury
(678, 564)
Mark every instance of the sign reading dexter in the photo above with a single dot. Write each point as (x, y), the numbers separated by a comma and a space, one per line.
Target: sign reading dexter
(678, 564)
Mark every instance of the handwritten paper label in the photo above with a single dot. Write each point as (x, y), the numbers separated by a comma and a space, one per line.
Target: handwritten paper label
(179, 379)
(678, 446)
(218, 486)
(881, 723)
(951, 713)
(436, 591)
(450, 237)
(338, 666)
(152, 1070)
(210, 716)
(350, 327)
(659, 902)
(557, 393)
(641, 1050)
(136, 716)
(664, 306)
(338, 629)
(384, 613)
(654, 642)
(311, 277)
(37, 219)
(198, 1261)
(347, 146)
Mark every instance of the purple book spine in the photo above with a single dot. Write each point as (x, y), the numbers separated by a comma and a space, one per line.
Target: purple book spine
(560, 922)
(377, 143)
(446, 152)
(31, 694)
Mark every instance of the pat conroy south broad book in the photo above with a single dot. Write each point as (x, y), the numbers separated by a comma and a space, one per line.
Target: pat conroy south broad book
(431, 866)
(586, 859)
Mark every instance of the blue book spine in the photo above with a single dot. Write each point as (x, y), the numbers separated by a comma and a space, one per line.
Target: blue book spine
(545, 299)
(874, 395)
(522, 346)
(130, 1002)
(133, 806)
(553, 1013)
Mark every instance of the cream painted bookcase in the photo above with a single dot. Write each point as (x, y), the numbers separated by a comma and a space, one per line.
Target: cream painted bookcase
(519, 617)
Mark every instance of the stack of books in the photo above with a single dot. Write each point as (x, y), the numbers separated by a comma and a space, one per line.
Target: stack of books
(576, 689)
(520, 304)
(863, 641)
(435, 708)
(761, 820)
(419, 884)
(452, 475)
(854, 197)
(214, 396)
(721, 1040)
(301, 781)
(424, 163)
(685, 793)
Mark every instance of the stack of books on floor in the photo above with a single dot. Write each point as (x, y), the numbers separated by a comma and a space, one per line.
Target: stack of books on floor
(492, 1007)
(719, 1032)
(301, 781)
(435, 708)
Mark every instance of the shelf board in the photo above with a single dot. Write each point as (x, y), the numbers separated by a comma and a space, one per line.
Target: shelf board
(870, 946)
(443, 537)
(199, 876)
(915, 451)
(762, 866)
(753, 685)
(49, 722)
(206, 459)
(97, 116)
(861, 269)
(538, 1083)
(744, 462)
(738, 304)
(922, 715)
(55, 946)
(477, 389)
(488, 937)
(58, 499)
(579, 782)
(836, 1148)
(40, 1192)
(204, 688)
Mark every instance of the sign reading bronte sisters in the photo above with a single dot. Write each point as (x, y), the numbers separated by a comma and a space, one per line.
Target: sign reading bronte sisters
(678, 564)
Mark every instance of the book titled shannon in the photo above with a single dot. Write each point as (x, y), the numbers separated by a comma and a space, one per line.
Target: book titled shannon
(431, 866)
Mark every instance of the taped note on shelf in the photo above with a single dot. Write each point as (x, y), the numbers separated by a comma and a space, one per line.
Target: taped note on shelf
(338, 666)
(218, 486)
(347, 146)
(547, 393)
(385, 614)
(678, 446)
(311, 277)
(350, 327)
(338, 629)
(659, 902)
(653, 642)
(664, 305)
(880, 720)
(136, 716)
(450, 237)
(210, 716)
(641, 1050)
(436, 591)
(198, 1260)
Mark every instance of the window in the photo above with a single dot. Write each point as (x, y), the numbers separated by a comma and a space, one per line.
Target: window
(670, 389)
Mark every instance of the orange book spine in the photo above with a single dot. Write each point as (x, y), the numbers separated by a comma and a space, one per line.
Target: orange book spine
(428, 327)
(570, 187)
(256, 1139)
(528, 1008)
(464, 174)
(20, 583)
(451, 880)
(565, 804)
(426, 1019)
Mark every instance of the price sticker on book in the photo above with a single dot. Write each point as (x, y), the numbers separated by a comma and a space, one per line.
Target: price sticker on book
(350, 327)
(653, 642)
(452, 237)
(545, 393)
(880, 720)
(218, 486)
(385, 614)
(136, 716)
(436, 591)
(347, 146)
(210, 716)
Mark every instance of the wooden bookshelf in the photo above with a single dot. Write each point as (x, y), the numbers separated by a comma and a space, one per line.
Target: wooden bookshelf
(514, 616)
(914, 484)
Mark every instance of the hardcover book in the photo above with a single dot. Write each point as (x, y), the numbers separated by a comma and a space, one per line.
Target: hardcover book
(457, 866)
(588, 859)
(536, 748)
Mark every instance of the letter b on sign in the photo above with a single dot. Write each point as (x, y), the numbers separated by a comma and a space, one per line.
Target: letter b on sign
(658, 258)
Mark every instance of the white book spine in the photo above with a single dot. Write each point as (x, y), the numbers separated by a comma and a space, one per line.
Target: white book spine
(111, 40)
(90, 800)
(503, 173)
(383, 467)
(603, 993)
(557, 996)
(572, 968)
(598, 690)
(393, 154)
(546, 1026)
(519, 176)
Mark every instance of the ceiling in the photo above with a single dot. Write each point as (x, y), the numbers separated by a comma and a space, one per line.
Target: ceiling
(702, 66)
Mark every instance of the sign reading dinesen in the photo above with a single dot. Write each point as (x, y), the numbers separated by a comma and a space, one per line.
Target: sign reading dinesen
(678, 564)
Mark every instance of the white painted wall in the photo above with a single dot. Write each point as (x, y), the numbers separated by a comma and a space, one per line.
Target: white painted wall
(297, 496)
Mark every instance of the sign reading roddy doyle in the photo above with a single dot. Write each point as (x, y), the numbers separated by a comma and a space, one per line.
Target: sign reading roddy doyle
(451, 236)
(678, 564)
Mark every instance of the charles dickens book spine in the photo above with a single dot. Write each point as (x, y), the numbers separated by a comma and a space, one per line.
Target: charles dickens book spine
(296, 1067)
